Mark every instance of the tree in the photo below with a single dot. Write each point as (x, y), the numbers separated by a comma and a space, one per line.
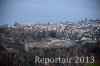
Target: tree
(53, 34)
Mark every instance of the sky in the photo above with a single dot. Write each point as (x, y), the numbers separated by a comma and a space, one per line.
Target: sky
(43, 11)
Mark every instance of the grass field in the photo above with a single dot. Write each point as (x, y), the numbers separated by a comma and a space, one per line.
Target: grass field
(97, 63)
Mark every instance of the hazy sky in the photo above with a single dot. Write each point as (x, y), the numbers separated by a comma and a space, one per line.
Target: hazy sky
(32, 11)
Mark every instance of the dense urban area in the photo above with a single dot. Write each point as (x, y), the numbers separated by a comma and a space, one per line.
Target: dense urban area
(20, 43)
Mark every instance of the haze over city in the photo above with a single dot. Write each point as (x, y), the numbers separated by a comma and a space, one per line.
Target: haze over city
(49, 32)
(43, 11)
